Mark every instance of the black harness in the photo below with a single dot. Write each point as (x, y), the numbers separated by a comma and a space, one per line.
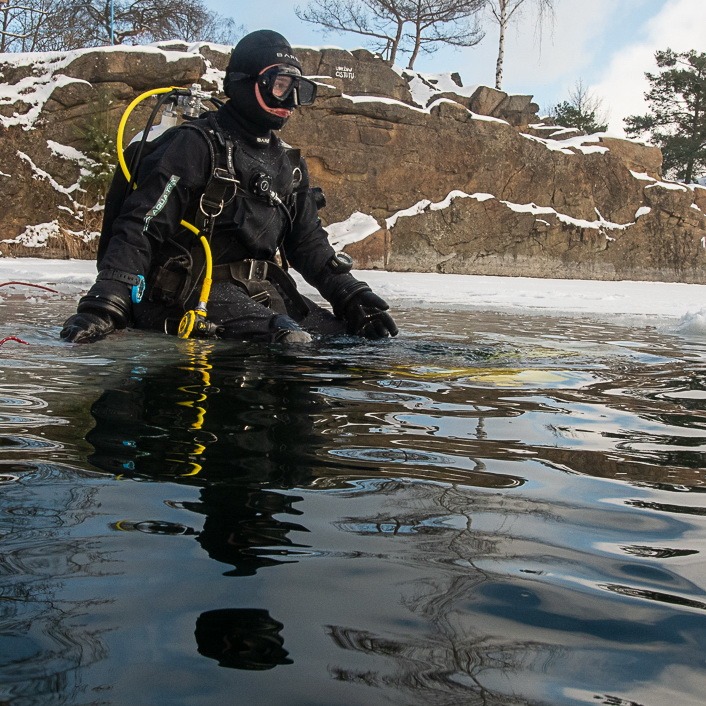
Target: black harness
(223, 182)
(172, 282)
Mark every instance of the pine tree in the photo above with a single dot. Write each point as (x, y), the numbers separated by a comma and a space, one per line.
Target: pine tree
(676, 121)
(582, 111)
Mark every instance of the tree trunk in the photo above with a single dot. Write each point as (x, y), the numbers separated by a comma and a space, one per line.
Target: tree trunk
(5, 24)
(503, 20)
(501, 59)
(396, 43)
(415, 52)
(689, 172)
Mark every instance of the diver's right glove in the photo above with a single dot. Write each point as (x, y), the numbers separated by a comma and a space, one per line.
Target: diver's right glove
(103, 309)
(86, 327)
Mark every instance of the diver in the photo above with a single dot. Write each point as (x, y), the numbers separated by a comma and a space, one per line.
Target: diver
(265, 217)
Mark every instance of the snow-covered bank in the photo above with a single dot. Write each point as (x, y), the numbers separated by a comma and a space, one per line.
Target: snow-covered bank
(618, 302)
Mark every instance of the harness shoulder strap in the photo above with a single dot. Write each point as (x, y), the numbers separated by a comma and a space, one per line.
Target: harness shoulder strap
(223, 181)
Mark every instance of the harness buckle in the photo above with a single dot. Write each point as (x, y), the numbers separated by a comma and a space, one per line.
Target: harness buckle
(258, 269)
(225, 175)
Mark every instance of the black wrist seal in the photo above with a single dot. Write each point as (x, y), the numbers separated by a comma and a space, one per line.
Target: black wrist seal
(346, 294)
(108, 298)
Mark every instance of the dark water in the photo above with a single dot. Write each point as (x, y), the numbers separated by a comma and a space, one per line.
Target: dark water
(487, 510)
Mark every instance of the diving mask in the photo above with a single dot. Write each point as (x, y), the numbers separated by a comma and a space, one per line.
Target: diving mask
(284, 86)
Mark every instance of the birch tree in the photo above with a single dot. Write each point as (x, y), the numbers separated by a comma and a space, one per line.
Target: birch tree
(503, 12)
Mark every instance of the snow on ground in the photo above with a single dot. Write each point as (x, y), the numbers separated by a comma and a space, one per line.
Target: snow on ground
(681, 307)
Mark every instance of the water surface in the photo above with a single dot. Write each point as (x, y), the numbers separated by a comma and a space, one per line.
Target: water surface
(489, 509)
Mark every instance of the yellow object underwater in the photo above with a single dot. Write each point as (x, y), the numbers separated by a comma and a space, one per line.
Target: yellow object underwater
(513, 376)
(500, 377)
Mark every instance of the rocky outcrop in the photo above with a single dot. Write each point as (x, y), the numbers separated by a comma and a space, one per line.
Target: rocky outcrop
(448, 179)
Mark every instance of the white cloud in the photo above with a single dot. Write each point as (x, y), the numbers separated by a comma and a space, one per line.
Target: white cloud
(681, 26)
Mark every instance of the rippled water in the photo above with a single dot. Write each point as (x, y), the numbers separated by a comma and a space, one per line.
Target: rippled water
(490, 510)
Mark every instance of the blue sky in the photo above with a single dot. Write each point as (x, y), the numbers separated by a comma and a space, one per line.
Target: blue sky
(608, 44)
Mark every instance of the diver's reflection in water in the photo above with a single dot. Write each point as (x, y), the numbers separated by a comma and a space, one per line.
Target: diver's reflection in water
(241, 638)
(240, 527)
(243, 434)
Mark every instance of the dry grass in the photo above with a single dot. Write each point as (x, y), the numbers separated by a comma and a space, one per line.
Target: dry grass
(70, 243)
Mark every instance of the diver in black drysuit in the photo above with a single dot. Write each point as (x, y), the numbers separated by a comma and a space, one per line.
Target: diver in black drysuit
(273, 208)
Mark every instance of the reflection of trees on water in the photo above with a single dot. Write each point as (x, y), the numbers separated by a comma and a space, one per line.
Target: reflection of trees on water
(45, 640)
(446, 662)
(440, 670)
(249, 430)
(492, 615)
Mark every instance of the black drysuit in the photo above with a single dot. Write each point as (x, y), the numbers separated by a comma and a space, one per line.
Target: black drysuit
(145, 238)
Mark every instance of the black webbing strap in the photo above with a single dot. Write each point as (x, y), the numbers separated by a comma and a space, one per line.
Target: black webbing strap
(222, 185)
(259, 270)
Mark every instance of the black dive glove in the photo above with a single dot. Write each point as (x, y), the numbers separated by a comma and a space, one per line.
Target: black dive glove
(105, 308)
(87, 327)
(366, 315)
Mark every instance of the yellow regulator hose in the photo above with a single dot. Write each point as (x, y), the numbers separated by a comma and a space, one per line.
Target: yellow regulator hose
(195, 319)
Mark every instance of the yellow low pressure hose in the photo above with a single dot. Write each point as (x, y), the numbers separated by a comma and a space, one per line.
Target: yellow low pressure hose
(187, 324)
(123, 123)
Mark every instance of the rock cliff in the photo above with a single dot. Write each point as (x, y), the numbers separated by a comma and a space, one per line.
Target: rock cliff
(421, 174)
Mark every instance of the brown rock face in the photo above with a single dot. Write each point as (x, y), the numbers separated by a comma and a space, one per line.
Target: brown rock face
(458, 183)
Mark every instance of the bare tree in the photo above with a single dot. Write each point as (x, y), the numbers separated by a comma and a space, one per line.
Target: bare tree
(140, 21)
(381, 21)
(207, 27)
(503, 12)
(20, 23)
(443, 22)
(384, 23)
(46, 25)
(583, 110)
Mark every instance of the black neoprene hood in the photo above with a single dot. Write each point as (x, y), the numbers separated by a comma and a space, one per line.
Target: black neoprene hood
(253, 53)
(258, 50)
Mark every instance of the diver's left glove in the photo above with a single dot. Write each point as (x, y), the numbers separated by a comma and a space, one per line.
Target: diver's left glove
(103, 309)
(366, 314)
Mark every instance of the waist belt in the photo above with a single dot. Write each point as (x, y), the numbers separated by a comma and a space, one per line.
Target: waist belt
(258, 271)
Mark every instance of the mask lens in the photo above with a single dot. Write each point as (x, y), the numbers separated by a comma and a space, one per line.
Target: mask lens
(306, 92)
(280, 83)
(282, 86)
